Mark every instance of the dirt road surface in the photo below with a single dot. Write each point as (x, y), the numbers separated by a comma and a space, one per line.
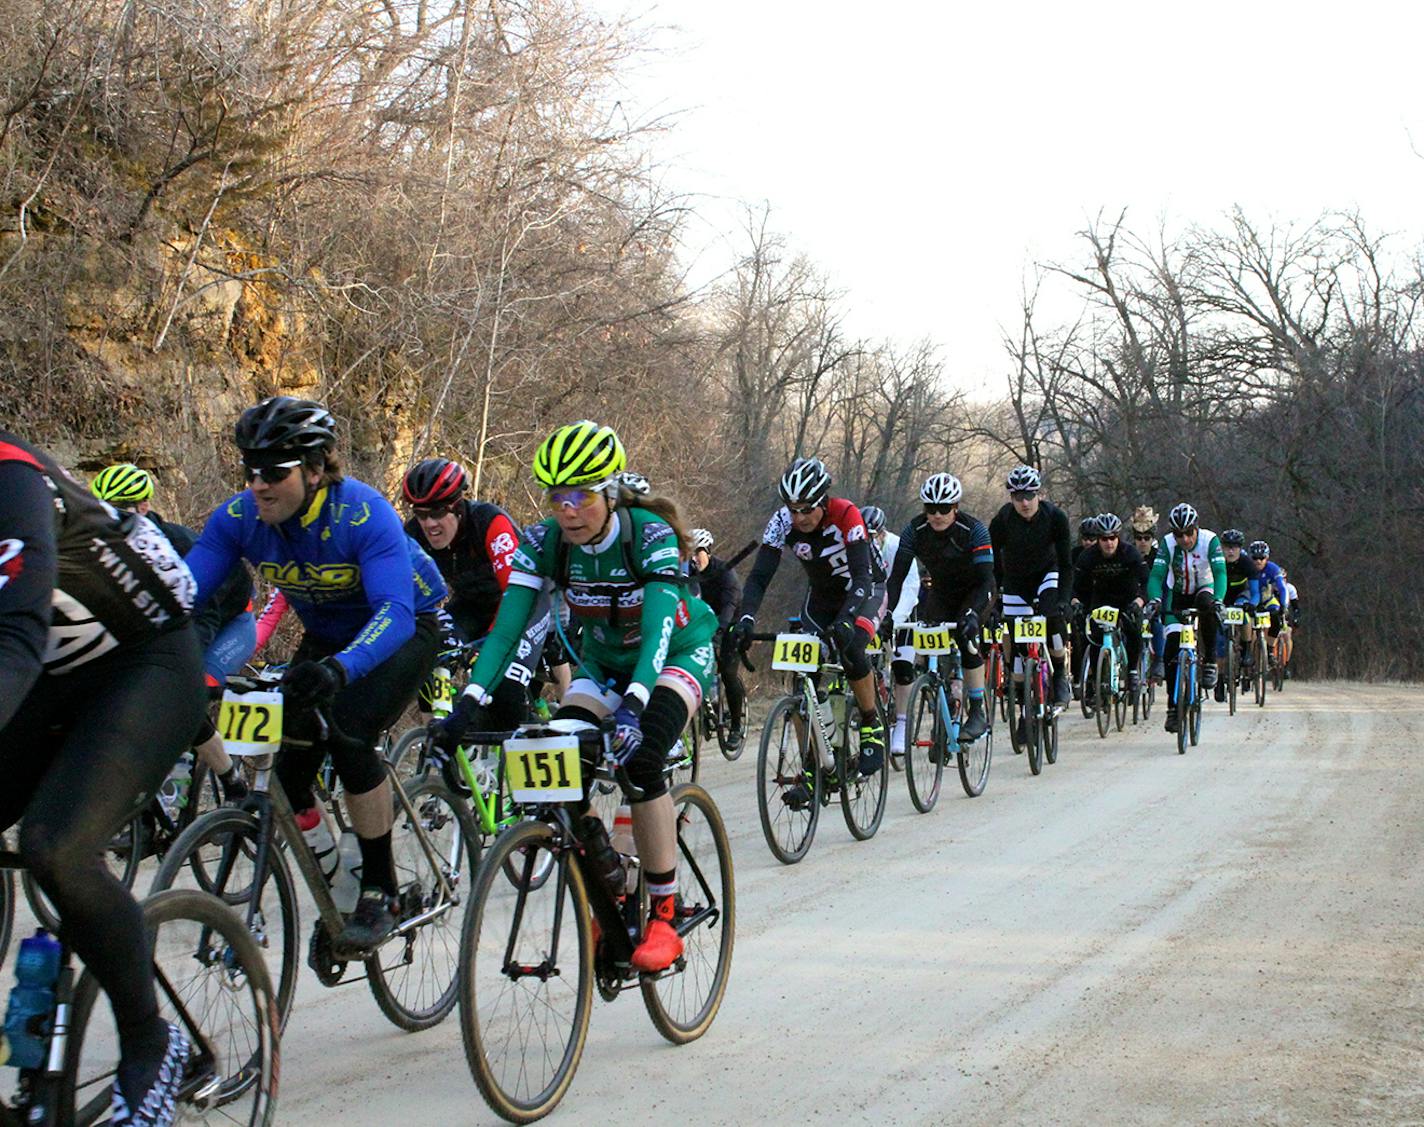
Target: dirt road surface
(1230, 936)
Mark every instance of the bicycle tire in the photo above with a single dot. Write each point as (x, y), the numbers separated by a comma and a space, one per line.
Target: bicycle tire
(1103, 677)
(249, 1072)
(993, 666)
(442, 933)
(1050, 737)
(7, 912)
(1086, 701)
(1278, 664)
(659, 990)
(403, 753)
(1119, 690)
(689, 766)
(863, 797)
(1033, 726)
(719, 714)
(923, 774)
(1259, 645)
(233, 832)
(123, 855)
(1015, 709)
(774, 779)
(480, 1012)
(1183, 719)
(1233, 675)
(973, 761)
(1195, 711)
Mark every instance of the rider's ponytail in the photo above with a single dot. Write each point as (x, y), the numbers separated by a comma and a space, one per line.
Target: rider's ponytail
(661, 505)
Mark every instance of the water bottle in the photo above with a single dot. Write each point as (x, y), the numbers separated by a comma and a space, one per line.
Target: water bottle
(317, 834)
(27, 1020)
(541, 710)
(828, 729)
(173, 794)
(626, 846)
(346, 886)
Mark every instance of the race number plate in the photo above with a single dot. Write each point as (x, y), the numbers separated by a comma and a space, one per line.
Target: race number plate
(931, 639)
(1187, 638)
(1233, 616)
(1105, 616)
(796, 653)
(1263, 620)
(250, 723)
(1147, 629)
(1031, 628)
(874, 645)
(1001, 634)
(544, 770)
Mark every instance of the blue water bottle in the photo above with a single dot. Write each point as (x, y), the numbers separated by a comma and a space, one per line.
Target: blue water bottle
(27, 1020)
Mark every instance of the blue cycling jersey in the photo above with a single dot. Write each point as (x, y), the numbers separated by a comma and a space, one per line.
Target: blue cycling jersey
(1271, 581)
(345, 565)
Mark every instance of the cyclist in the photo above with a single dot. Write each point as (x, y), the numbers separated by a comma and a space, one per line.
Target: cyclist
(366, 596)
(646, 655)
(1274, 596)
(954, 550)
(1033, 563)
(1087, 538)
(1243, 589)
(225, 627)
(718, 586)
(473, 544)
(101, 690)
(1189, 570)
(1144, 539)
(884, 544)
(1292, 616)
(845, 593)
(1113, 574)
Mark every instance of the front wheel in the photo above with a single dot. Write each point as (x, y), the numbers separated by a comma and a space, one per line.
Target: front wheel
(527, 984)
(974, 760)
(1262, 657)
(1033, 716)
(1183, 694)
(1103, 677)
(788, 783)
(683, 1000)
(925, 745)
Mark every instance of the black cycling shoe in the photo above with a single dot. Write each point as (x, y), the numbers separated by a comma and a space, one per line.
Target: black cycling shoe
(734, 737)
(1134, 682)
(370, 924)
(1159, 670)
(797, 796)
(1218, 694)
(1022, 732)
(1209, 672)
(976, 723)
(157, 1106)
(1171, 724)
(1062, 690)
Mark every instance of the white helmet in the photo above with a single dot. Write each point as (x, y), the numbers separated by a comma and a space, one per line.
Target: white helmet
(941, 489)
(635, 483)
(1182, 518)
(701, 540)
(806, 482)
(1024, 479)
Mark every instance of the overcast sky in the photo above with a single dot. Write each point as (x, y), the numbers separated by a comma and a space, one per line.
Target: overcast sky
(927, 154)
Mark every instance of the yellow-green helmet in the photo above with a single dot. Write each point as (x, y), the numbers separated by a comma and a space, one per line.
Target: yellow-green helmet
(582, 453)
(122, 484)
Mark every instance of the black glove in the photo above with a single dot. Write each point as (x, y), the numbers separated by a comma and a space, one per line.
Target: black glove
(1149, 611)
(447, 734)
(742, 632)
(969, 624)
(313, 684)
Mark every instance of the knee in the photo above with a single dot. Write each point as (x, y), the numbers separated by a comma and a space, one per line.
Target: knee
(903, 672)
(50, 851)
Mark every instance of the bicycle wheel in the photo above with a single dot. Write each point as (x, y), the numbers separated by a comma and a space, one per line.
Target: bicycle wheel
(1049, 736)
(1087, 689)
(216, 855)
(1119, 667)
(925, 744)
(683, 1000)
(123, 855)
(1183, 689)
(413, 976)
(862, 796)
(719, 718)
(974, 760)
(404, 755)
(993, 665)
(1033, 726)
(1261, 661)
(527, 983)
(212, 980)
(7, 911)
(1233, 675)
(785, 769)
(685, 756)
(1278, 664)
(1102, 675)
(1013, 702)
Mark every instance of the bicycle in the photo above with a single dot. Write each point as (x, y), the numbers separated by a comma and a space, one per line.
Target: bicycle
(210, 978)
(1109, 683)
(932, 697)
(1279, 649)
(1146, 686)
(243, 854)
(1188, 682)
(797, 776)
(534, 947)
(1233, 619)
(995, 698)
(1032, 705)
(714, 712)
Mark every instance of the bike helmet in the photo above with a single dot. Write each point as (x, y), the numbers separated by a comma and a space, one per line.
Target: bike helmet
(1087, 527)
(635, 483)
(1233, 538)
(282, 423)
(1144, 519)
(435, 481)
(582, 453)
(122, 484)
(805, 482)
(874, 518)
(1109, 524)
(1260, 550)
(701, 540)
(1182, 517)
(941, 489)
(1023, 479)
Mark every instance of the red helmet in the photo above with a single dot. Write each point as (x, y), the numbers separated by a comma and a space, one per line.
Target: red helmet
(435, 481)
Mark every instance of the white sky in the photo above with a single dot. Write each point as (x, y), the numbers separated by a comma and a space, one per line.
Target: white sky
(926, 154)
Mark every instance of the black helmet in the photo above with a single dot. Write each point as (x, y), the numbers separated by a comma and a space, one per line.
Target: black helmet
(1088, 526)
(1260, 550)
(284, 423)
(435, 481)
(1233, 538)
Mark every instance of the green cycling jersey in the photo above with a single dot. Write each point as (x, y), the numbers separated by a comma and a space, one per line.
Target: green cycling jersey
(631, 623)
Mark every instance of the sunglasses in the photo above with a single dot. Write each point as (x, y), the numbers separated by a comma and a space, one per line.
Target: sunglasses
(273, 475)
(433, 512)
(570, 498)
(939, 510)
(1107, 539)
(1022, 494)
(1142, 536)
(802, 510)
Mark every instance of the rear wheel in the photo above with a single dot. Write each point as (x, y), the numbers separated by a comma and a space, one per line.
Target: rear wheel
(1014, 696)
(925, 745)
(993, 683)
(862, 796)
(1278, 663)
(788, 784)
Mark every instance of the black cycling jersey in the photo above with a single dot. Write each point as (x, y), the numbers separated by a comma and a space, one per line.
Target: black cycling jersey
(717, 585)
(476, 565)
(233, 596)
(837, 558)
(1239, 576)
(109, 578)
(958, 563)
(1032, 556)
(1110, 581)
